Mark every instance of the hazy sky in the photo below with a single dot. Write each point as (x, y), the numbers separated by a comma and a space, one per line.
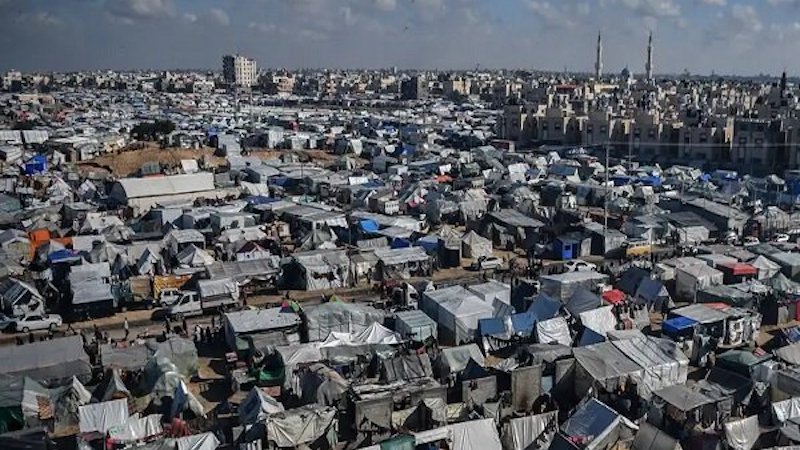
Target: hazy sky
(728, 36)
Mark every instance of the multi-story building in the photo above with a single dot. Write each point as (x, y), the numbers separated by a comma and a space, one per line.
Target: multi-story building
(239, 70)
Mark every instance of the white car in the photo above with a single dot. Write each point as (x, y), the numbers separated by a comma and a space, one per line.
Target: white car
(781, 237)
(169, 297)
(578, 265)
(750, 241)
(38, 322)
(488, 263)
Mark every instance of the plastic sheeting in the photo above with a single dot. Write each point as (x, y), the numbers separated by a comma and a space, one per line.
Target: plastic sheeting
(789, 354)
(742, 434)
(603, 364)
(530, 432)
(663, 362)
(455, 359)
(205, 441)
(785, 410)
(456, 310)
(595, 419)
(475, 435)
(103, 416)
(257, 406)
(137, 428)
(374, 334)
(475, 246)
(340, 317)
(553, 330)
(692, 279)
(299, 426)
(55, 359)
(651, 438)
(600, 320)
(415, 325)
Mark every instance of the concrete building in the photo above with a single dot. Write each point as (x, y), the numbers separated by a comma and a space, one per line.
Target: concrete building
(239, 70)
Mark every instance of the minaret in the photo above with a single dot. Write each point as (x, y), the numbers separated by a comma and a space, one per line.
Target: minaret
(649, 65)
(598, 64)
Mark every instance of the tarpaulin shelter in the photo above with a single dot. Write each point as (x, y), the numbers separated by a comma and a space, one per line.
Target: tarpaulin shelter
(28, 439)
(253, 323)
(415, 325)
(651, 438)
(766, 267)
(582, 300)
(599, 424)
(603, 365)
(662, 362)
(205, 441)
(47, 361)
(317, 270)
(742, 434)
(340, 317)
(402, 262)
(457, 312)
(137, 429)
(652, 293)
(562, 286)
(453, 360)
(301, 426)
(553, 330)
(101, 417)
(406, 367)
(19, 402)
(741, 361)
(471, 435)
(535, 431)
(475, 246)
(373, 334)
(691, 279)
(257, 406)
(600, 320)
(298, 355)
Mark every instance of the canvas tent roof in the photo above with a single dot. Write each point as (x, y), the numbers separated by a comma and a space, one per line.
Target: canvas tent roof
(48, 360)
(604, 362)
(663, 362)
(651, 438)
(253, 320)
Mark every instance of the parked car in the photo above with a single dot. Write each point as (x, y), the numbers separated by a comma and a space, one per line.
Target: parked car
(781, 237)
(38, 322)
(169, 297)
(579, 265)
(750, 241)
(488, 263)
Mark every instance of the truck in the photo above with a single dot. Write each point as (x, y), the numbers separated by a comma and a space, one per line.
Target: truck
(211, 295)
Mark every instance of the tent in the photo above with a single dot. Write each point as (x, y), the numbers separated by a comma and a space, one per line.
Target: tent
(471, 435)
(528, 432)
(689, 280)
(47, 361)
(19, 402)
(603, 365)
(651, 438)
(742, 434)
(653, 293)
(257, 406)
(599, 423)
(193, 256)
(582, 300)
(766, 267)
(341, 317)
(475, 246)
(415, 325)
(457, 312)
(600, 320)
(455, 359)
(301, 426)
(205, 441)
(663, 363)
(553, 330)
(104, 416)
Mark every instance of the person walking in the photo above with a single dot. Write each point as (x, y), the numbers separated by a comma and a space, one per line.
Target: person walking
(127, 328)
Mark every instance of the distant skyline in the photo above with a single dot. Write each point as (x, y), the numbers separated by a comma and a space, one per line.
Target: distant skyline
(742, 37)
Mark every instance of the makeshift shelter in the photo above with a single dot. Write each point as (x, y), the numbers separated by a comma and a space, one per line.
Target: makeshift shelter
(257, 406)
(336, 316)
(415, 325)
(260, 323)
(475, 246)
(535, 431)
(766, 268)
(453, 360)
(652, 293)
(742, 434)
(19, 402)
(402, 263)
(457, 312)
(690, 280)
(651, 438)
(471, 435)
(193, 256)
(603, 365)
(299, 427)
(48, 362)
(603, 426)
(553, 330)
(104, 416)
(563, 286)
(205, 441)
(662, 361)
(317, 270)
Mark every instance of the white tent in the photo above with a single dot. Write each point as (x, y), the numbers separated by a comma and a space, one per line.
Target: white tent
(257, 406)
(471, 435)
(103, 416)
(662, 362)
(457, 311)
(475, 246)
(205, 441)
(193, 256)
(691, 279)
(766, 267)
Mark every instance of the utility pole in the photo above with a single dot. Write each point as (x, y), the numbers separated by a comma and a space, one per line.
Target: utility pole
(605, 201)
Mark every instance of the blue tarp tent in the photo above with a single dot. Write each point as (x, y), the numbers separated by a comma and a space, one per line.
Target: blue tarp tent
(492, 327)
(260, 200)
(583, 300)
(590, 337)
(60, 255)
(430, 243)
(369, 225)
(400, 243)
(675, 325)
(544, 307)
(37, 164)
(592, 418)
(650, 180)
(621, 180)
(523, 323)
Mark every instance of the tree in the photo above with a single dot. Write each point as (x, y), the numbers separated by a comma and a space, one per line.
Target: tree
(152, 131)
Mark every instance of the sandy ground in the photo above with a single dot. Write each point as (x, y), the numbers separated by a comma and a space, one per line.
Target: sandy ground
(127, 162)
